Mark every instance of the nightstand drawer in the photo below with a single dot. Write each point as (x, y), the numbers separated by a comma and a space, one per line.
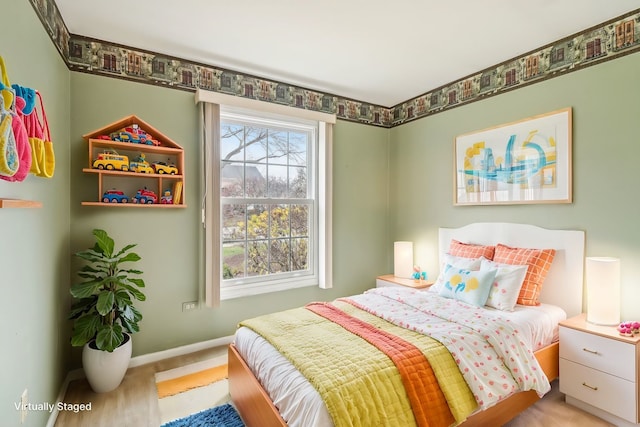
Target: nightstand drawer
(609, 393)
(604, 354)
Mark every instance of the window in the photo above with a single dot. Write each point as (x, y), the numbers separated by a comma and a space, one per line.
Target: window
(485, 81)
(187, 77)
(267, 206)
(453, 97)
(158, 67)
(557, 55)
(109, 61)
(267, 197)
(510, 77)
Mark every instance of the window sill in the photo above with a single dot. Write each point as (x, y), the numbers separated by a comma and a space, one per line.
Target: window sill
(247, 290)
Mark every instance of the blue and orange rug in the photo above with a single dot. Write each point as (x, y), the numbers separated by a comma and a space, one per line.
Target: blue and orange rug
(197, 395)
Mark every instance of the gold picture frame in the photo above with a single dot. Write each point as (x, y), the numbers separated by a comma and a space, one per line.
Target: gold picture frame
(528, 161)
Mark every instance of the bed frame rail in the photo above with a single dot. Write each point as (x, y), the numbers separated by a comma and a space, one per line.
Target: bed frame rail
(248, 396)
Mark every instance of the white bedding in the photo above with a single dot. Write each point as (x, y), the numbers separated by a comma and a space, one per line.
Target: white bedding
(300, 404)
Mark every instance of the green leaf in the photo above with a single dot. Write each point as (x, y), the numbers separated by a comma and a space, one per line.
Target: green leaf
(130, 325)
(84, 329)
(127, 314)
(109, 337)
(125, 249)
(137, 281)
(137, 316)
(135, 293)
(81, 306)
(85, 289)
(91, 269)
(105, 303)
(104, 242)
(130, 257)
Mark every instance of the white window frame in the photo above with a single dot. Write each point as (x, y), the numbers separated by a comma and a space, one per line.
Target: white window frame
(211, 103)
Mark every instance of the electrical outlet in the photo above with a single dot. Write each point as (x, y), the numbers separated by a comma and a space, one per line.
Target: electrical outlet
(191, 305)
(23, 406)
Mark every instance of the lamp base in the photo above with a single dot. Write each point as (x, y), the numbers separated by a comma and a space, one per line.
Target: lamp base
(603, 322)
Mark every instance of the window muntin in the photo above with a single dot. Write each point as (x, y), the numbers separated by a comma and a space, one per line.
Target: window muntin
(267, 197)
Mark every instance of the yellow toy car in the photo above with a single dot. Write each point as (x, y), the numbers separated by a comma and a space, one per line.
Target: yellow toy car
(162, 168)
(111, 160)
(140, 165)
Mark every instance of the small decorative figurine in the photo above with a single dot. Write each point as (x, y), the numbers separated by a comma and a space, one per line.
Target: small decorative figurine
(418, 276)
(167, 198)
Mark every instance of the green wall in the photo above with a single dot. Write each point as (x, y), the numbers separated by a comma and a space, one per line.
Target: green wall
(169, 239)
(34, 243)
(606, 151)
(388, 185)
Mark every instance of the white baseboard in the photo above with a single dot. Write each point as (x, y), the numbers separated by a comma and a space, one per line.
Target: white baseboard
(179, 351)
(77, 374)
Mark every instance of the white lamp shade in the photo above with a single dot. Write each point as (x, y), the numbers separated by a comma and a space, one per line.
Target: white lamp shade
(603, 290)
(403, 259)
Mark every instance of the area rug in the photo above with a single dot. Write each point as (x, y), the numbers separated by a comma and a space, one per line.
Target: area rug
(193, 389)
(220, 416)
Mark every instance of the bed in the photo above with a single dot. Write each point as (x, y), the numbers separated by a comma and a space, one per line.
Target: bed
(561, 297)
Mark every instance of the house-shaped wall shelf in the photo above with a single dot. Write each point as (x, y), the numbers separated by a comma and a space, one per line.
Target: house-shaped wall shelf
(137, 166)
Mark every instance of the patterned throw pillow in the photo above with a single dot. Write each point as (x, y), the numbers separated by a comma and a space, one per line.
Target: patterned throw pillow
(538, 262)
(506, 286)
(469, 250)
(460, 262)
(468, 286)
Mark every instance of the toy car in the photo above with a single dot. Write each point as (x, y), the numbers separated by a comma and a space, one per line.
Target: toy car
(114, 196)
(145, 196)
(134, 135)
(162, 168)
(140, 165)
(111, 160)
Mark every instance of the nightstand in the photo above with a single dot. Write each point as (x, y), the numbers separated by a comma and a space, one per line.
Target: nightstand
(391, 280)
(599, 370)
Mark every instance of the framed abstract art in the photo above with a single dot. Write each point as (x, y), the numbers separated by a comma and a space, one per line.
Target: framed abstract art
(528, 161)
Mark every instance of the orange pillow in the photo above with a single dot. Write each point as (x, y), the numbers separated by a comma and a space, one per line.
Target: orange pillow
(469, 250)
(538, 262)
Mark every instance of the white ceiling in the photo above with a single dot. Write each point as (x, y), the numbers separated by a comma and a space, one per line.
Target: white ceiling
(381, 52)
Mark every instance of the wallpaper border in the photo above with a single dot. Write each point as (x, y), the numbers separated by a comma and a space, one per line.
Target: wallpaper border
(610, 40)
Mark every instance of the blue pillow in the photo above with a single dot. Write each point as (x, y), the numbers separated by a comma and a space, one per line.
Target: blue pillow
(469, 286)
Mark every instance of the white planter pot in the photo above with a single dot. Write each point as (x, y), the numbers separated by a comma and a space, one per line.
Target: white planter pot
(105, 370)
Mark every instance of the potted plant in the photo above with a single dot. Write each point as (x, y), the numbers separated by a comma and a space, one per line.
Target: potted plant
(103, 312)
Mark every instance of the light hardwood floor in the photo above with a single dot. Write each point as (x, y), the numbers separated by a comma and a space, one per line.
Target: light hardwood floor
(135, 402)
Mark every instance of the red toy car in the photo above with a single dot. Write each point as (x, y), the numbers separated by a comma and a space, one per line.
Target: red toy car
(145, 196)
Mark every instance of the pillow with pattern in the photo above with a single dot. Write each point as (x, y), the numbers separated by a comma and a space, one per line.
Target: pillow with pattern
(460, 262)
(538, 262)
(469, 286)
(470, 250)
(506, 286)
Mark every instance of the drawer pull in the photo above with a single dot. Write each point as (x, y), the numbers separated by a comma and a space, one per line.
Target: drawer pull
(590, 386)
(590, 351)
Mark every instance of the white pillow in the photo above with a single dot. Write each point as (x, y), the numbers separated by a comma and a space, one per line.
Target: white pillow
(469, 286)
(506, 286)
(456, 261)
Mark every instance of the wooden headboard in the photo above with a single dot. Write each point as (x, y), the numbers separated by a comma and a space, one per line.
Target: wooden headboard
(564, 283)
